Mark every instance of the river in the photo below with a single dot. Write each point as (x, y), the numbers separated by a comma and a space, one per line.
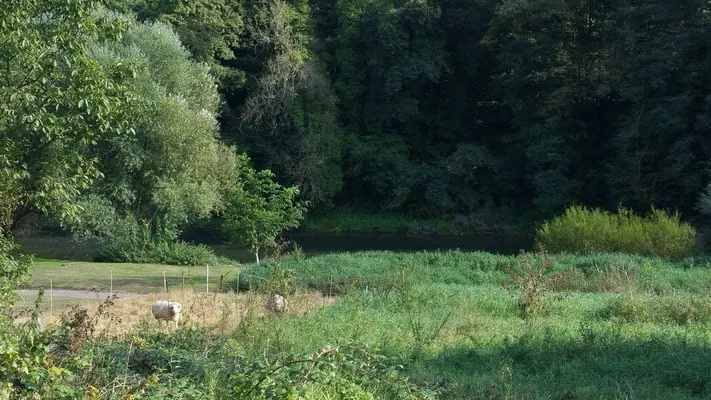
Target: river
(62, 247)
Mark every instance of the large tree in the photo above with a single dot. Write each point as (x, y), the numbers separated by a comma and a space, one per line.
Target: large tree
(174, 169)
(58, 102)
(287, 120)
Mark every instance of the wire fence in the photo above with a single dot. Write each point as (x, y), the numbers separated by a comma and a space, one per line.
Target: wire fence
(181, 281)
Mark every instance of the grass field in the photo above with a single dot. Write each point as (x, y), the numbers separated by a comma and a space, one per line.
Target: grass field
(135, 278)
(607, 325)
(464, 325)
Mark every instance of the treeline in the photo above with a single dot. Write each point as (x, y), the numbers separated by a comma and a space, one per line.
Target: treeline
(454, 107)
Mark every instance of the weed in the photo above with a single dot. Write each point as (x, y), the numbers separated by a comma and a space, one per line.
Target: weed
(531, 274)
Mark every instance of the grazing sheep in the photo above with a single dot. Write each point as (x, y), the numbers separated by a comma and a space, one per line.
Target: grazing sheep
(276, 303)
(166, 311)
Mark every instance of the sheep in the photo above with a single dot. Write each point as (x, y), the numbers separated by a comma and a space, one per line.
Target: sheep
(276, 303)
(166, 311)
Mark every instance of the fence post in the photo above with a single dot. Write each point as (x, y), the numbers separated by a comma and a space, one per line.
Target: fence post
(182, 278)
(330, 286)
(51, 298)
(165, 283)
(111, 283)
(222, 276)
(207, 279)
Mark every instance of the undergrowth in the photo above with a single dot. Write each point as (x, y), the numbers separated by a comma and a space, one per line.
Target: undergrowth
(582, 230)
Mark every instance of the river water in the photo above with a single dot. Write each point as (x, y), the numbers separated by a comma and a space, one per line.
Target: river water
(62, 247)
(316, 243)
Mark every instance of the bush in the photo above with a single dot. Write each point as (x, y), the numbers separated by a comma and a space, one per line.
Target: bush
(584, 230)
(175, 253)
(532, 275)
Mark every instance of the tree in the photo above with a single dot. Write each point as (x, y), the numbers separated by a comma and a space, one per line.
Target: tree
(260, 208)
(209, 29)
(57, 103)
(288, 120)
(174, 169)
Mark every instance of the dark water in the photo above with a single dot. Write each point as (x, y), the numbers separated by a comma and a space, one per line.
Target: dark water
(316, 243)
(332, 242)
(62, 247)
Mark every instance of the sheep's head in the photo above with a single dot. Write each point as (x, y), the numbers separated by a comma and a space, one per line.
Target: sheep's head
(175, 308)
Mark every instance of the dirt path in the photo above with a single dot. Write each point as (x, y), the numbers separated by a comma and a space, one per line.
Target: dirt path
(79, 294)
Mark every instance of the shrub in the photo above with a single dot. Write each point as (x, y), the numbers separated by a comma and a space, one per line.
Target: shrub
(26, 370)
(281, 281)
(172, 253)
(580, 229)
(533, 275)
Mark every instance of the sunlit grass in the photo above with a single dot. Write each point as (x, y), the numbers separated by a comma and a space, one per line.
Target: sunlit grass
(610, 325)
(136, 278)
(618, 327)
(221, 312)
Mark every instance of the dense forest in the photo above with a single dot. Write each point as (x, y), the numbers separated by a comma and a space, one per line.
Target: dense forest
(454, 107)
(153, 113)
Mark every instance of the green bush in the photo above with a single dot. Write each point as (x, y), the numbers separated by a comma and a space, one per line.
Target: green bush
(175, 253)
(581, 229)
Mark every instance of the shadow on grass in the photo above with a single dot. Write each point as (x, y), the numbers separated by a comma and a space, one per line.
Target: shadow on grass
(595, 365)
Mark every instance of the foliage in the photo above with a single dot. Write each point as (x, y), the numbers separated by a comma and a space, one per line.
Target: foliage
(210, 29)
(292, 105)
(59, 102)
(154, 365)
(260, 208)
(124, 239)
(437, 324)
(384, 270)
(532, 274)
(27, 371)
(446, 108)
(581, 229)
(485, 349)
(273, 25)
(280, 281)
(13, 274)
(173, 253)
(174, 169)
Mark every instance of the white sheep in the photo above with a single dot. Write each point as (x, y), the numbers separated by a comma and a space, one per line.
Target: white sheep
(166, 311)
(276, 303)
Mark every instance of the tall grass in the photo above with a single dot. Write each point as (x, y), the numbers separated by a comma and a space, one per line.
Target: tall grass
(608, 325)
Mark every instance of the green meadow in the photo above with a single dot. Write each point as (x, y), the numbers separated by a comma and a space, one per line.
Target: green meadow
(605, 325)
(449, 325)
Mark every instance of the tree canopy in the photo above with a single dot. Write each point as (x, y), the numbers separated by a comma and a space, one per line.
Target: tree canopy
(438, 108)
(57, 103)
